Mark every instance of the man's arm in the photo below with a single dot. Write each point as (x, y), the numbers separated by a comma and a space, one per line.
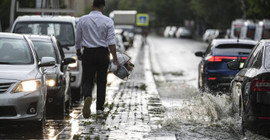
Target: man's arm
(113, 52)
(78, 40)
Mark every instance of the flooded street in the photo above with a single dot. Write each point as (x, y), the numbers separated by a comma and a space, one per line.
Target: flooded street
(191, 114)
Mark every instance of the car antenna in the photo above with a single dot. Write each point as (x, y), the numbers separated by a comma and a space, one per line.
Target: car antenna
(238, 36)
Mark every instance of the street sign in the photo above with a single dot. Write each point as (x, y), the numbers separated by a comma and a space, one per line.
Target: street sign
(142, 19)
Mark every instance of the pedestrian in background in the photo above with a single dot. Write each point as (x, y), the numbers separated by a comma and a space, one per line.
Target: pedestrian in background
(95, 34)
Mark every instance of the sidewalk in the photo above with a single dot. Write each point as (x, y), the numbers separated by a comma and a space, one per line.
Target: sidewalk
(133, 107)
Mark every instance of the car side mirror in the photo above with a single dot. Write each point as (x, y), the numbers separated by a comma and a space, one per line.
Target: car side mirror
(69, 61)
(199, 54)
(47, 61)
(235, 65)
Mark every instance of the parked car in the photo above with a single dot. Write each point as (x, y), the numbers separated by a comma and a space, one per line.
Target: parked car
(23, 88)
(166, 31)
(63, 28)
(58, 76)
(172, 31)
(250, 89)
(183, 32)
(214, 75)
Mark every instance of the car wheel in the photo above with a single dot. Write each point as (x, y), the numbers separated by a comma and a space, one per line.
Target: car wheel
(76, 94)
(68, 103)
(201, 84)
(59, 110)
(242, 114)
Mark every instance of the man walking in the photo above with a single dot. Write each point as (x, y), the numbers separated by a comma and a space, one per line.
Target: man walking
(95, 34)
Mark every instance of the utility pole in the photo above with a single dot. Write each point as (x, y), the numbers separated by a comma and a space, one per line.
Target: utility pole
(12, 10)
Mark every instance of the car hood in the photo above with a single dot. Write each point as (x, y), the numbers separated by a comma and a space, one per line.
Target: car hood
(18, 72)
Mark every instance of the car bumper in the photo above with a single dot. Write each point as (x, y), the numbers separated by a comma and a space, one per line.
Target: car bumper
(22, 106)
(218, 83)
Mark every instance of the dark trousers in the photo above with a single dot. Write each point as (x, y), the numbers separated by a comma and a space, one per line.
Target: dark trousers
(95, 62)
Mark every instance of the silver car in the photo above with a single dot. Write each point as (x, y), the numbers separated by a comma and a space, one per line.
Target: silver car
(23, 87)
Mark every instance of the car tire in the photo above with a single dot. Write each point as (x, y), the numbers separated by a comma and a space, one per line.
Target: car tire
(201, 84)
(59, 110)
(68, 103)
(76, 94)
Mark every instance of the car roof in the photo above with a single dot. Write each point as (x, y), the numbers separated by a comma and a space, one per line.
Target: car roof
(53, 18)
(11, 35)
(217, 42)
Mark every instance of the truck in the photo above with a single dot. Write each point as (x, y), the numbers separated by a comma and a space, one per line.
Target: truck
(263, 30)
(236, 28)
(125, 24)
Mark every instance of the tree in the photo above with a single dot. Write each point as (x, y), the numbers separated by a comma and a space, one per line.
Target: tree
(257, 9)
(5, 10)
(217, 13)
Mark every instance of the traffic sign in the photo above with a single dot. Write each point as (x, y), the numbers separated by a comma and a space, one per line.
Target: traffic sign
(142, 19)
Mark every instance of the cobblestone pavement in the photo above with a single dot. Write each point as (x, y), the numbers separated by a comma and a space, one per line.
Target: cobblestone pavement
(132, 109)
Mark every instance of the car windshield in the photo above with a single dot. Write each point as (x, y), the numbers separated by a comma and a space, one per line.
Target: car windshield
(64, 32)
(44, 49)
(233, 49)
(15, 51)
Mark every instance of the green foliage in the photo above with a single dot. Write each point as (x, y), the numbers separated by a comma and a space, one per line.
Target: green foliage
(5, 13)
(217, 13)
(257, 9)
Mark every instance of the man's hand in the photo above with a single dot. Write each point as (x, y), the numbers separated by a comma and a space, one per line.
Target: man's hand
(116, 63)
(79, 57)
(79, 54)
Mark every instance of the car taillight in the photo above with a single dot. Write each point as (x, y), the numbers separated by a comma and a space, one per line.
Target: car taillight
(260, 85)
(212, 78)
(244, 58)
(220, 58)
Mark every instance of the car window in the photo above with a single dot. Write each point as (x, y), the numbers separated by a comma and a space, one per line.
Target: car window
(252, 58)
(15, 51)
(45, 49)
(267, 57)
(266, 33)
(64, 32)
(233, 49)
(251, 32)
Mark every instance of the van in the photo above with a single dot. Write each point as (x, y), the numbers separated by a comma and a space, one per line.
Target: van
(63, 28)
(236, 27)
(263, 30)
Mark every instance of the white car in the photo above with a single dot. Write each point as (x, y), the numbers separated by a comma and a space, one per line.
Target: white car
(23, 88)
(63, 28)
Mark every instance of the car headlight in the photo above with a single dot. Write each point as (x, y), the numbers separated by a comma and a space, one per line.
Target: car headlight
(74, 66)
(51, 82)
(27, 86)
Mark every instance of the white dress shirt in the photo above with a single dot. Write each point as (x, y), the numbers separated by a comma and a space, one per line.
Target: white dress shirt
(95, 30)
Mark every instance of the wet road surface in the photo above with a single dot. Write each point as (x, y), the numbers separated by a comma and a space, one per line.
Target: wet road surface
(190, 114)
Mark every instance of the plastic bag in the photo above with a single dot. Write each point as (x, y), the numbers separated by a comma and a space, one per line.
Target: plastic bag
(126, 67)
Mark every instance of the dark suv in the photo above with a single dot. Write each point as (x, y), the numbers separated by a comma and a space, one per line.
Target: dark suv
(214, 75)
(251, 88)
(58, 76)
